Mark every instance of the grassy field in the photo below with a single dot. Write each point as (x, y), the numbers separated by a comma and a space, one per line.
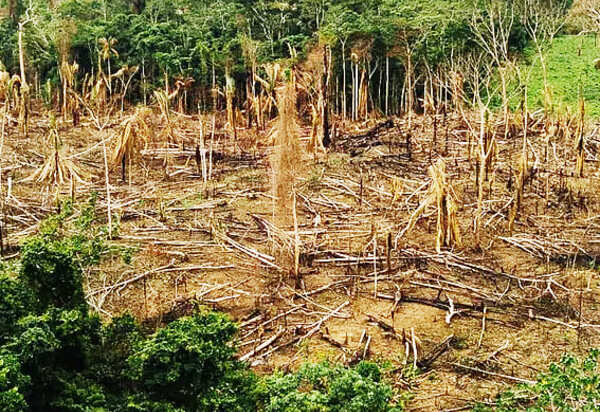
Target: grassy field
(566, 69)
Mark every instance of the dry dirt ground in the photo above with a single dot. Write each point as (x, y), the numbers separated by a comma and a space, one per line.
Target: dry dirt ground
(502, 306)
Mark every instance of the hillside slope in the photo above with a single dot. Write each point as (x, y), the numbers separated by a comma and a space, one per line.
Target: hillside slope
(566, 70)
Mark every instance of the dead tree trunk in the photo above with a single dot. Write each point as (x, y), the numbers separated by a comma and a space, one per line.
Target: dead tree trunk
(324, 98)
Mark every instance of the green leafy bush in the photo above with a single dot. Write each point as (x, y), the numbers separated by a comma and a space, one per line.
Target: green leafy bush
(191, 363)
(139, 403)
(571, 385)
(9, 57)
(16, 301)
(52, 348)
(13, 383)
(109, 360)
(52, 262)
(79, 394)
(49, 270)
(84, 237)
(330, 388)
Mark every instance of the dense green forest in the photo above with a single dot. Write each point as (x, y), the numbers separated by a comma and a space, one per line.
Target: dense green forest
(384, 55)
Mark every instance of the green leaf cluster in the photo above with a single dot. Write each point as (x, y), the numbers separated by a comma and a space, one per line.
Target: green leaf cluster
(331, 388)
(571, 385)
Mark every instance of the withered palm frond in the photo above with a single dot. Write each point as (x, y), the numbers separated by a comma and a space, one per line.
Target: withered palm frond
(163, 103)
(273, 72)
(120, 73)
(265, 84)
(184, 82)
(99, 89)
(107, 47)
(67, 72)
(442, 197)
(14, 81)
(133, 136)
(125, 71)
(57, 168)
(4, 81)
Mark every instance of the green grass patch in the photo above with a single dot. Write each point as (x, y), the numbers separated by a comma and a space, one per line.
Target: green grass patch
(566, 69)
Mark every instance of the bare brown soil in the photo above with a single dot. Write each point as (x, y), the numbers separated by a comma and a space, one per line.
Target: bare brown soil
(211, 243)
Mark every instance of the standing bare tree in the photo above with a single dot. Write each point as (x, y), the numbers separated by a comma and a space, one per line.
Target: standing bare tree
(543, 19)
(24, 86)
(492, 26)
(324, 97)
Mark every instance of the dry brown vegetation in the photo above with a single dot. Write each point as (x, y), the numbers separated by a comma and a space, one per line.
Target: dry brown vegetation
(451, 241)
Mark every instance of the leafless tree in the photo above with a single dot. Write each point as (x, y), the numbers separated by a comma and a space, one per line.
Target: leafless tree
(492, 26)
(543, 19)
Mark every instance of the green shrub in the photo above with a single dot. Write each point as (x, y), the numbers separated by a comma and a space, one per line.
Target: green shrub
(139, 403)
(330, 388)
(191, 363)
(89, 242)
(8, 53)
(49, 270)
(571, 385)
(109, 361)
(79, 394)
(52, 348)
(16, 301)
(12, 400)
(13, 384)
(52, 262)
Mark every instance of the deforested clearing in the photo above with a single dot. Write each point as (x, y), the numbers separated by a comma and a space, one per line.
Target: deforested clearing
(332, 206)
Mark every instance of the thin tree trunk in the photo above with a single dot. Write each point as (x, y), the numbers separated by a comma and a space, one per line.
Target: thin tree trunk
(144, 81)
(379, 89)
(12, 10)
(325, 100)
(344, 98)
(107, 182)
(387, 84)
(24, 89)
(21, 55)
(353, 91)
(214, 86)
(410, 92)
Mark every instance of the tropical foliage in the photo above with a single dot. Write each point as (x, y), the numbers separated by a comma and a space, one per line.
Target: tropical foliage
(573, 384)
(202, 40)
